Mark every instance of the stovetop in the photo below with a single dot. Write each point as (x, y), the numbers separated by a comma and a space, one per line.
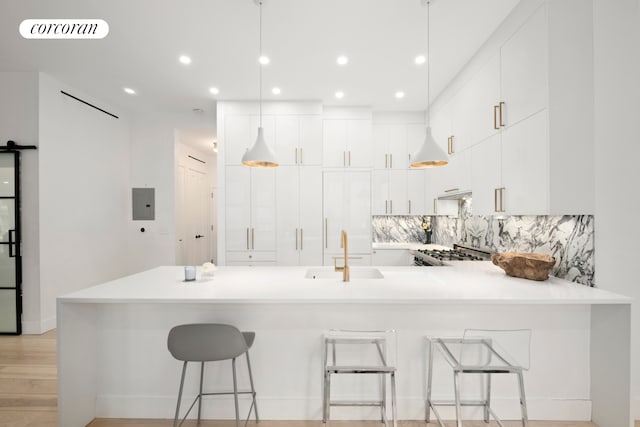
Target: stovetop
(429, 257)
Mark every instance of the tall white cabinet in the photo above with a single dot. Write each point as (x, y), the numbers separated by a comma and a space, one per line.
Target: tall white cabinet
(347, 206)
(299, 215)
(250, 215)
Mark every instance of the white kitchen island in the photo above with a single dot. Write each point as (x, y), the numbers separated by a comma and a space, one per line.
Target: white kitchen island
(113, 360)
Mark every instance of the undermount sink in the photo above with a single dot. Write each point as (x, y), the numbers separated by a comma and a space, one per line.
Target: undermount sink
(354, 272)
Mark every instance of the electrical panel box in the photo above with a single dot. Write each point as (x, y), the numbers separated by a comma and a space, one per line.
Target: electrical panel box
(143, 203)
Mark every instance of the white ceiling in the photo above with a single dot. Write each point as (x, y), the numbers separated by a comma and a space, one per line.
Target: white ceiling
(302, 38)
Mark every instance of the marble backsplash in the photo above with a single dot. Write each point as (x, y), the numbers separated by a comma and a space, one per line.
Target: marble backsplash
(568, 238)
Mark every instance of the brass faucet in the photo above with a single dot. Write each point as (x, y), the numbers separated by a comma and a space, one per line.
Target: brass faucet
(344, 244)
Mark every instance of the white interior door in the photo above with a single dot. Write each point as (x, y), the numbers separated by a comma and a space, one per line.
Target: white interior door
(197, 213)
(181, 215)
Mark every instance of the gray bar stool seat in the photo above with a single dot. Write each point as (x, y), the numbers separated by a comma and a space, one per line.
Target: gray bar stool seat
(211, 342)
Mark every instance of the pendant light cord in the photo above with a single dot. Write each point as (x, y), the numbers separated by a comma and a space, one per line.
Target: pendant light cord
(260, 64)
(428, 66)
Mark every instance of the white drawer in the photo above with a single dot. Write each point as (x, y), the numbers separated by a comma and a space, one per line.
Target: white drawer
(247, 256)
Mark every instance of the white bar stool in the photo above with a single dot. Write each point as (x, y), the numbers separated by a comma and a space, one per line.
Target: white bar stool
(480, 352)
(374, 341)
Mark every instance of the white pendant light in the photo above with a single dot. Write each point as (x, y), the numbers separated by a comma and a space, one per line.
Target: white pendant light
(260, 155)
(430, 154)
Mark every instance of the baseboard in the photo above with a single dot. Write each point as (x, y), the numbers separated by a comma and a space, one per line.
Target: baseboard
(110, 406)
(37, 328)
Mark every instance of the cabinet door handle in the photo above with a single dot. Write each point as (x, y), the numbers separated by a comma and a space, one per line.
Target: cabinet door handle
(501, 105)
(247, 238)
(296, 239)
(253, 239)
(386, 161)
(391, 207)
(435, 206)
(301, 239)
(448, 145)
(390, 161)
(296, 155)
(349, 157)
(495, 199)
(409, 206)
(451, 189)
(326, 240)
(451, 144)
(301, 158)
(495, 117)
(501, 199)
(386, 206)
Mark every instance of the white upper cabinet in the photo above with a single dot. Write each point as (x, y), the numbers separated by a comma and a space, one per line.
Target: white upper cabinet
(298, 139)
(525, 167)
(347, 143)
(416, 192)
(482, 93)
(415, 137)
(486, 176)
(390, 146)
(524, 70)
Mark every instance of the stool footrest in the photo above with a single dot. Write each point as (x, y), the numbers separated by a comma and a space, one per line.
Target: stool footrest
(360, 369)
(462, 402)
(355, 403)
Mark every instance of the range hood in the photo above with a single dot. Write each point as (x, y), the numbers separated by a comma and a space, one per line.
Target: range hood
(455, 194)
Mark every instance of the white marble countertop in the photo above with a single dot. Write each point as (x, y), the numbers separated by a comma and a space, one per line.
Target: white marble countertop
(462, 283)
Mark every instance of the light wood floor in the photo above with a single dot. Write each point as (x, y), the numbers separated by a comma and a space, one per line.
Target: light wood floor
(28, 394)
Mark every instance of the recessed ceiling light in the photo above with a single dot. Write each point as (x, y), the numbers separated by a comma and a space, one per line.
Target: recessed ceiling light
(399, 94)
(420, 59)
(342, 60)
(214, 90)
(339, 94)
(264, 60)
(185, 60)
(276, 91)
(129, 91)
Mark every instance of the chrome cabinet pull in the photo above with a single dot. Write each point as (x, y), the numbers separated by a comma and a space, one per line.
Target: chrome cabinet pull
(390, 161)
(349, 157)
(391, 207)
(501, 105)
(386, 206)
(386, 161)
(409, 206)
(296, 155)
(495, 117)
(344, 158)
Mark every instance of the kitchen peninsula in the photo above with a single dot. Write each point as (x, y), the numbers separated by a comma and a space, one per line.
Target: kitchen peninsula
(113, 361)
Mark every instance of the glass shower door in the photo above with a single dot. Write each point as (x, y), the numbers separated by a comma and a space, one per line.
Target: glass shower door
(10, 261)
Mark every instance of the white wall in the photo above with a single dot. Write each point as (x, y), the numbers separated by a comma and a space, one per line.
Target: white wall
(19, 122)
(153, 165)
(617, 150)
(84, 194)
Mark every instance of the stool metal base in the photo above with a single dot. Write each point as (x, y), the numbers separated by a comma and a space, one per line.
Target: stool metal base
(382, 370)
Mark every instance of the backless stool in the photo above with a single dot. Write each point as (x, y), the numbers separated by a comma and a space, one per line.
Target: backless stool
(375, 341)
(479, 352)
(210, 342)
